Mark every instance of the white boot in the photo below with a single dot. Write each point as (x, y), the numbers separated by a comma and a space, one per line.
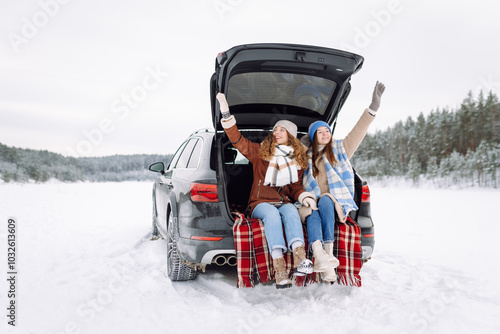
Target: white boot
(329, 275)
(322, 261)
(329, 251)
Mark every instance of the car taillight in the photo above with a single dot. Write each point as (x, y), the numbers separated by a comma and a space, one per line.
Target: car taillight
(195, 237)
(365, 193)
(201, 192)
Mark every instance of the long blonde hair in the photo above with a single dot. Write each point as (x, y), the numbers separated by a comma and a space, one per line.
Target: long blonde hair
(268, 146)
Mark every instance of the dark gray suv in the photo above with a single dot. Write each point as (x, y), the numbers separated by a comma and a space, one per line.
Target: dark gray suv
(207, 178)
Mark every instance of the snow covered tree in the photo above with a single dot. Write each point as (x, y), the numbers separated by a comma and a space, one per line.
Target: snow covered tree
(432, 168)
(414, 169)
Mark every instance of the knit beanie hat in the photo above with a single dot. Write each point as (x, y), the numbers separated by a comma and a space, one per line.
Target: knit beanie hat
(314, 126)
(289, 126)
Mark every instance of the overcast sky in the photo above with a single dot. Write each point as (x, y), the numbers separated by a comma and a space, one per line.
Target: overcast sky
(93, 78)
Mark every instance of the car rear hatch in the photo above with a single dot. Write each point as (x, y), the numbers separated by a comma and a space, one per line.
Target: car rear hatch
(264, 83)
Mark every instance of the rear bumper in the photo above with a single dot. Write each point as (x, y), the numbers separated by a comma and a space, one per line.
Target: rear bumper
(192, 244)
(203, 251)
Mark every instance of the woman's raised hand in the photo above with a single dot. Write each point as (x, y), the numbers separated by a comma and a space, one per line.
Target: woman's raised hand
(377, 94)
(224, 107)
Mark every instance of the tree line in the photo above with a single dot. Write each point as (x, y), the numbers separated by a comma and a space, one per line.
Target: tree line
(448, 147)
(23, 165)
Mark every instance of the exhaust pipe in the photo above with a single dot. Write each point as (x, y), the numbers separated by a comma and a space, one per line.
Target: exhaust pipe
(231, 260)
(228, 259)
(219, 260)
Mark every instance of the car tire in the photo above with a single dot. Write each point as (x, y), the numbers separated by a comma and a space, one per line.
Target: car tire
(176, 270)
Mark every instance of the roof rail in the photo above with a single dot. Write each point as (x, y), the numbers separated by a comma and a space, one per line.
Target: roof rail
(202, 130)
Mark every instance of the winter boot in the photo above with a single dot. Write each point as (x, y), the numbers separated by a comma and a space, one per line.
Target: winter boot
(322, 260)
(329, 275)
(280, 274)
(301, 265)
(329, 251)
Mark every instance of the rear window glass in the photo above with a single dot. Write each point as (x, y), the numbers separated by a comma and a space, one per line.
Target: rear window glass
(184, 158)
(195, 156)
(233, 157)
(299, 90)
(174, 160)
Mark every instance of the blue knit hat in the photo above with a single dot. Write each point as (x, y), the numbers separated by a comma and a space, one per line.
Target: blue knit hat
(314, 126)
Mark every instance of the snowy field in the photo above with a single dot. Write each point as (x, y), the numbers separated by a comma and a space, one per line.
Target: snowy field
(85, 265)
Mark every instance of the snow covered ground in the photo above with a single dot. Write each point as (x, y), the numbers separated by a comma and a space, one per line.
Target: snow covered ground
(86, 266)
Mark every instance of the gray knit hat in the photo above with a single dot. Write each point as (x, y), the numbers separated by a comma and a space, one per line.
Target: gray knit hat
(289, 126)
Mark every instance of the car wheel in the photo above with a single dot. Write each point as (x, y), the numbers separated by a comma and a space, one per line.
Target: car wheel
(176, 270)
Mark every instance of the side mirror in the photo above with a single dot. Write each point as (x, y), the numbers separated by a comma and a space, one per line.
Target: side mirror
(157, 167)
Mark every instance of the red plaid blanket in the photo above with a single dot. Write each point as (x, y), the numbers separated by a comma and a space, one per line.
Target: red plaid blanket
(253, 261)
(263, 261)
(244, 246)
(347, 248)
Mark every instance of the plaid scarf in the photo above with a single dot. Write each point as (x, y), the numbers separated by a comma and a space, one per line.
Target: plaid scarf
(282, 169)
(340, 178)
(347, 249)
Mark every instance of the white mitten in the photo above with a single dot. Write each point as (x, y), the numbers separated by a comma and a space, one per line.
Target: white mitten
(310, 202)
(224, 107)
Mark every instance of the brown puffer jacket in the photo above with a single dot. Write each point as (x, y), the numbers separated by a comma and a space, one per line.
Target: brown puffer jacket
(260, 193)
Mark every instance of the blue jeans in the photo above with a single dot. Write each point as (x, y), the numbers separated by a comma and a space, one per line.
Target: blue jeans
(274, 218)
(320, 223)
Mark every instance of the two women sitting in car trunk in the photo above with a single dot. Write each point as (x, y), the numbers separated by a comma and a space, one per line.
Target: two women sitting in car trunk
(326, 187)
(278, 165)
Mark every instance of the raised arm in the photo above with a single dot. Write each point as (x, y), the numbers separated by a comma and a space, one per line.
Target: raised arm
(249, 149)
(355, 137)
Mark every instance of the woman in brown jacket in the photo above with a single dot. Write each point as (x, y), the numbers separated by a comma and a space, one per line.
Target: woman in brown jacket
(278, 166)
